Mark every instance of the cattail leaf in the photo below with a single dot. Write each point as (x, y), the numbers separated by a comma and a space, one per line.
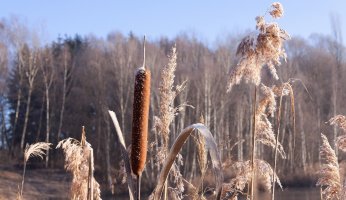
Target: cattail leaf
(177, 146)
(124, 153)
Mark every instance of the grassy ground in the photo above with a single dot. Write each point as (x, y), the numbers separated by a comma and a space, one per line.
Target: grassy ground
(40, 183)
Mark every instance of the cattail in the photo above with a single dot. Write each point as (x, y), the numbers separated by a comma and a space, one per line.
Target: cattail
(140, 121)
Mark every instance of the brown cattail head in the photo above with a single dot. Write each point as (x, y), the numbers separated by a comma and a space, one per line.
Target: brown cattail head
(140, 120)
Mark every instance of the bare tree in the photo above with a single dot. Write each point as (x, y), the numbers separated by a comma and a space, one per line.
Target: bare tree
(16, 34)
(336, 51)
(3, 90)
(31, 68)
(68, 65)
(48, 72)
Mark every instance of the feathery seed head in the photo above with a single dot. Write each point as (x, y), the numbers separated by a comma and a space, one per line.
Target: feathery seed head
(167, 95)
(36, 150)
(77, 162)
(340, 121)
(277, 10)
(329, 173)
(262, 49)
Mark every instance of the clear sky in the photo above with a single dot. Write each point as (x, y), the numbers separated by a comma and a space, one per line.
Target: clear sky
(207, 19)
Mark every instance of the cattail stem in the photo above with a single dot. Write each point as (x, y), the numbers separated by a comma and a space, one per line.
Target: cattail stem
(276, 145)
(139, 187)
(144, 41)
(253, 157)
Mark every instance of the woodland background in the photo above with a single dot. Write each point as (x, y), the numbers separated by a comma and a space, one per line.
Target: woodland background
(50, 90)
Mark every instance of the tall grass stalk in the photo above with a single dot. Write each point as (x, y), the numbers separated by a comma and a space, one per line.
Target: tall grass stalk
(168, 111)
(262, 49)
(33, 150)
(253, 157)
(282, 91)
(276, 143)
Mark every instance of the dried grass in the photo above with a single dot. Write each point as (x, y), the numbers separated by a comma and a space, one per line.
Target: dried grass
(277, 10)
(243, 178)
(329, 174)
(77, 161)
(340, 121)
(264, 131)
(264, 48)
(38, 149)
(175, 149)
(202, 162)
(167, 95)
(168, 111)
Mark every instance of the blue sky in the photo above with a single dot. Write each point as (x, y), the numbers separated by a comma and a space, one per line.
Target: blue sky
(208, 20)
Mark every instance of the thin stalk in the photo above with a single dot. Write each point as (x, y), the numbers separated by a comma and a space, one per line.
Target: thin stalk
(276, 145)
(139, 187)
(21, 189)
(91, 176)
(321, 193)
(253, 157)
(165, 195)
(144, 41)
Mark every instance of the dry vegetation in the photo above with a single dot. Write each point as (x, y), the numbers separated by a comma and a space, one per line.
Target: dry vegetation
(330, 180)
(174, 158)
(79, 161)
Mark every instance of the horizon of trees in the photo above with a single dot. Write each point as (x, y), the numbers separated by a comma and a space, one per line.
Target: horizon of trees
(49, 91)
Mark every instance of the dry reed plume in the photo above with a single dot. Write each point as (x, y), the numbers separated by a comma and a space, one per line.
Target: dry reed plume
(79, 161)
(329, 174)
(167, 95)
(34, 150)
(340, 121)
(262, 48)
(264, 132)
(162, 123)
